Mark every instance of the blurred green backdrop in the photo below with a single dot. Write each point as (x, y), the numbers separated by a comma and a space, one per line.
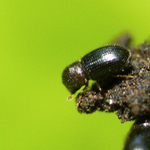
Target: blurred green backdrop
(38, 39)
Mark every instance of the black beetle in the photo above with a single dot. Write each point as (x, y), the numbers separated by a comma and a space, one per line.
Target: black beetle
(96, 65)
(139, 135)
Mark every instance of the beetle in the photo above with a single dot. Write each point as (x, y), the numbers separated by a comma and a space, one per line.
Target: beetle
(96, 65)
(139, 135)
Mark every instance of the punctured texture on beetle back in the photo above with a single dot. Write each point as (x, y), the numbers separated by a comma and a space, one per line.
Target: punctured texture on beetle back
(104, 61)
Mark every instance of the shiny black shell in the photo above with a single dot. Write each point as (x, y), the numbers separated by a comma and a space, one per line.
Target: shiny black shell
(139, 135)
(105, 61)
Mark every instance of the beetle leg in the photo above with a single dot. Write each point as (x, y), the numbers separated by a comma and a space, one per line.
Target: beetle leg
(124, 76)
(86, 85)
(99, 87)
(83, 91)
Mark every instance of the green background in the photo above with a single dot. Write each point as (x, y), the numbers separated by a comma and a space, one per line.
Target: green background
(38, 39)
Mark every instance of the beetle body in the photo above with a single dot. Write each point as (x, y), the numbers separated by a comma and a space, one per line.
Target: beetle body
(96, 65)
(139, 135)
(104, 61)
